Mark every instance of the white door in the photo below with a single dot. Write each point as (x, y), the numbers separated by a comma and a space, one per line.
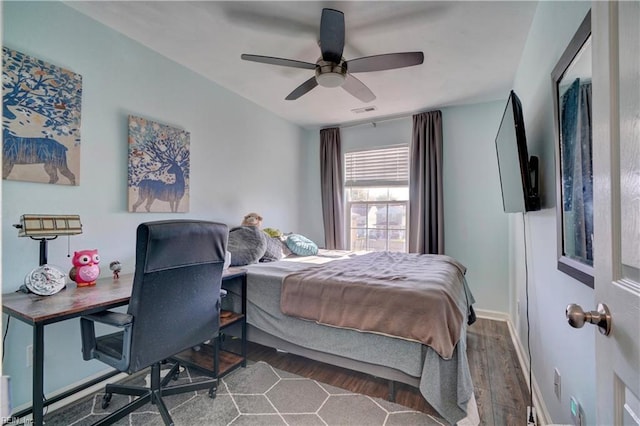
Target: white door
(616, 163)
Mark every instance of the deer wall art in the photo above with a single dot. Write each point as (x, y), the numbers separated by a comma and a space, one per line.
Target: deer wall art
(48, 152)
(41, 106)
(158, 167)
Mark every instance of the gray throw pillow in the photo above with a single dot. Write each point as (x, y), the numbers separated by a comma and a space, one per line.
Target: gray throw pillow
(247, 244)
(274, 250)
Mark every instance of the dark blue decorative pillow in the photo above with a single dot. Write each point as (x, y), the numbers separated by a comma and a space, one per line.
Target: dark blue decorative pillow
(300, 245)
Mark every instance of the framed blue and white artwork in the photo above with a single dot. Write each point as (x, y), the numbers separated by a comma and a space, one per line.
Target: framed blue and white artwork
(41, 106)
(158, 167)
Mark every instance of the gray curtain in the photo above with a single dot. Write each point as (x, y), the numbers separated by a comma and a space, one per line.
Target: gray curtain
(331, 180)
(426, 211)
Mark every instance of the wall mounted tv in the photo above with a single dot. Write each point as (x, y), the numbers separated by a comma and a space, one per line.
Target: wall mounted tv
(518, 171)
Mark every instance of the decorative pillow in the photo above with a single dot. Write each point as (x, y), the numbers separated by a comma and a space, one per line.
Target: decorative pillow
(274, 250)
(302, 246)
(247, 244)
(272, 232)
(285, 249)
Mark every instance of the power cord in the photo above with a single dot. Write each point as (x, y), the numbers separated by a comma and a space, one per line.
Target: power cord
(526, 286)
(4, 337)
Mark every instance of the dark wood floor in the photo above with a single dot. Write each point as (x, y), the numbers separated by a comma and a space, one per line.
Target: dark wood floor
(500, 387)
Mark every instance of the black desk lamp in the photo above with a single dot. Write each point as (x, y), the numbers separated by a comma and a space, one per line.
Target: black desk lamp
(47, 227)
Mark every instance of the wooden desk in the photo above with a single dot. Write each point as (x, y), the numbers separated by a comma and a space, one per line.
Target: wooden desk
(72, 302)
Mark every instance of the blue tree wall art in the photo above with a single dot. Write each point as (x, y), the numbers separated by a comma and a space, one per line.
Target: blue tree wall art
(41, 106)
(158, 167)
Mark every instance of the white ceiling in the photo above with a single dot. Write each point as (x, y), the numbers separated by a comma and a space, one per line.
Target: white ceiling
(472, 49)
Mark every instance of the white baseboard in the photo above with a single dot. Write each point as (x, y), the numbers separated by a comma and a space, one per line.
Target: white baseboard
(78, 395)
(492, 315)
(541, 409)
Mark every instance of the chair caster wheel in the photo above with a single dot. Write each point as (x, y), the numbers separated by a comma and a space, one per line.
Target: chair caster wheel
(106, 399)
(213, 392)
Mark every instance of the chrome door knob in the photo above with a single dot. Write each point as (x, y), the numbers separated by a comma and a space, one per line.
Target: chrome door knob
(577, 317)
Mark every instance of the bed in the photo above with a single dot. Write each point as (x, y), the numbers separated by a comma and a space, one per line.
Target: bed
(442, 375)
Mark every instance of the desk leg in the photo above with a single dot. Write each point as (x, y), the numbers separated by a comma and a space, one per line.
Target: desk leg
(244, 320)
(38, 374)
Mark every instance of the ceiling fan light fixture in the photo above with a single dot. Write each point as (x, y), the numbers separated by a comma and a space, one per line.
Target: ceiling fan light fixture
(329, 74)
(330, 79)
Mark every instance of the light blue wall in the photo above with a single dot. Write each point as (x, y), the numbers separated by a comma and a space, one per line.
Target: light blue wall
(384, 133)
(475, 223)
(311, 202)
(476, 228)
(243, 159)
(553, 344)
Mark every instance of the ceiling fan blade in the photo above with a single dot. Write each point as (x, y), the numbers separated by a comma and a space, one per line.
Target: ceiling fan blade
(302, 89)
(358, 89)
(278, 61)
(332, 35)
(388, 61)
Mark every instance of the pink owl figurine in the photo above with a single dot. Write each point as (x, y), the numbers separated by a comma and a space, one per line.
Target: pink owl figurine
(85, 269)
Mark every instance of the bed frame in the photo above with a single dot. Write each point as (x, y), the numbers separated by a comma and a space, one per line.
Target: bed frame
(390, 374)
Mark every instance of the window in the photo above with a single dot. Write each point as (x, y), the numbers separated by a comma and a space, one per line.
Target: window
(377, 191)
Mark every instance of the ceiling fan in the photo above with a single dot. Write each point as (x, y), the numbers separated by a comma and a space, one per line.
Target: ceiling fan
(331, 69)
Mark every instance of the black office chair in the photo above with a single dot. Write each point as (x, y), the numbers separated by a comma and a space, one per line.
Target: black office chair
(174, 306)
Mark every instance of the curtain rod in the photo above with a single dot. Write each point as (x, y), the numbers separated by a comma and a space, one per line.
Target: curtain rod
(374, 122)
(370, 122)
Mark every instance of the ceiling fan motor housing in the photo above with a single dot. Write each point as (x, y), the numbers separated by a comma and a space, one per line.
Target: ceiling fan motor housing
(330, 74)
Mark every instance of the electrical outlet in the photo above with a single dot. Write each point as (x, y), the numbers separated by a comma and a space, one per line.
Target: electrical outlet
(29, 355)
(532, 420)
(556, 383)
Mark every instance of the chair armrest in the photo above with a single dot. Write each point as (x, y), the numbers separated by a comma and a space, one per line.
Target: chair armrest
(88, 328)
(115, 319)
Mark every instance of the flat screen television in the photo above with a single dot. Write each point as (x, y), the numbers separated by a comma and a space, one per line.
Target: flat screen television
(518, 171)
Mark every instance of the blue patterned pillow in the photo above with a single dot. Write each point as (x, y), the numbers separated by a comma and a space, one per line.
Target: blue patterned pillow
(302, 246)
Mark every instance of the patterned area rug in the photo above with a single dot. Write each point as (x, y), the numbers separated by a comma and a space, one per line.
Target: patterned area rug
(252, 396)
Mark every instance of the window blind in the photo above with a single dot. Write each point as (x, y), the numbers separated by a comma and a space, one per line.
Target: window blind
(378, 167)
